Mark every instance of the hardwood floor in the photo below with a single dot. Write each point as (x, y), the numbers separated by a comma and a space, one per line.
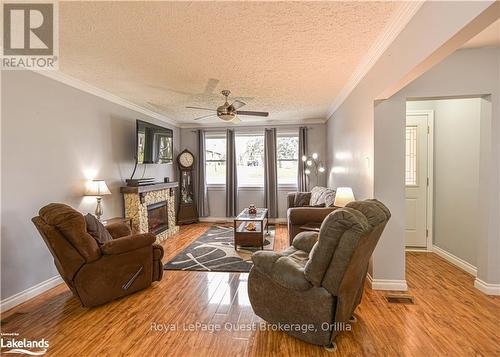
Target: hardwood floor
(449, 317)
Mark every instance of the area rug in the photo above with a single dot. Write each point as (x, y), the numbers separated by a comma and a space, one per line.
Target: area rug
(214, 251)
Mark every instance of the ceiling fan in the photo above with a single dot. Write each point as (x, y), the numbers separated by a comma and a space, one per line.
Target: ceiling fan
(228, 112)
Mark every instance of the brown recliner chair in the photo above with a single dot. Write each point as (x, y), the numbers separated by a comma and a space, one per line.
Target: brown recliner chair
(301, 216)
(96, 274)
(308, 208)
(321, 276)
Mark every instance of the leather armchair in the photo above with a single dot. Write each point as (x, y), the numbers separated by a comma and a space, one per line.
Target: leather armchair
(321, 276)
(94, 274)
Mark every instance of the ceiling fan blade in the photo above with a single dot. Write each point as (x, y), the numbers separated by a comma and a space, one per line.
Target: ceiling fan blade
(213, 110)
(257, 114)
(236, 120)
(237, 104)
(205, 116)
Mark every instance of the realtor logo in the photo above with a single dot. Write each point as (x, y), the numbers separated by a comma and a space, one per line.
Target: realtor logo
(29, 36)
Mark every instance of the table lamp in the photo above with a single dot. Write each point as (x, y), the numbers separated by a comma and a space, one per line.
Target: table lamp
(343, 196)
(98, 189)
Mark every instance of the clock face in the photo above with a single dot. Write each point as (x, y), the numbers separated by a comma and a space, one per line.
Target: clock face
(186, 159)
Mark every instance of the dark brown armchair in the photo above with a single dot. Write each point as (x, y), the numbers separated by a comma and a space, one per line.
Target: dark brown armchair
(304, 211)
(98, 274)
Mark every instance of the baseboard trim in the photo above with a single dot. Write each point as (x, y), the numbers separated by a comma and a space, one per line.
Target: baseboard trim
(453, 259)
(387, 284)
(29, 293)
(487, 288)
(230, 220)
(418, 250)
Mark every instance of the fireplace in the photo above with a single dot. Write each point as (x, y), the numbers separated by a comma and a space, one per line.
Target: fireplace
(141, 201)
(157, 217)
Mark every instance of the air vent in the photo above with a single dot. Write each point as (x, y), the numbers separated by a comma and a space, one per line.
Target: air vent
(400, 299)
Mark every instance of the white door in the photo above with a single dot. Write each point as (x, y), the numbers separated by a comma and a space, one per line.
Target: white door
(416, 178)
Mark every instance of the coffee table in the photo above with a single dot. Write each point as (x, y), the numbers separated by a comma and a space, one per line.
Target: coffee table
(244, 237)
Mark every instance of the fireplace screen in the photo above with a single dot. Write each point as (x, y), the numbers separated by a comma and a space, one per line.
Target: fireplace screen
(158, 217)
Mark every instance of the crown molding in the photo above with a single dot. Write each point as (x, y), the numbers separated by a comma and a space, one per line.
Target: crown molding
(253, 124)
(394, 28)
(101, 93)
(113, 98)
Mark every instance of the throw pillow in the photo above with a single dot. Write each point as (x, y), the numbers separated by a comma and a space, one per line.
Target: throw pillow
(302, 199)
(329, 198)
(322, 197)
(316, 194)
(97, 230)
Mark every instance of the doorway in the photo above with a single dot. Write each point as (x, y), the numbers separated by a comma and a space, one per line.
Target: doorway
(442, 176)
(419, 178)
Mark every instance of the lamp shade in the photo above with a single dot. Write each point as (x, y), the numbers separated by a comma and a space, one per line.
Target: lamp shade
(97, 188)
(343, 196)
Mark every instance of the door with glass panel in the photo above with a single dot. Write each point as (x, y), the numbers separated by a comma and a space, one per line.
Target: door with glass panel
(417, 178)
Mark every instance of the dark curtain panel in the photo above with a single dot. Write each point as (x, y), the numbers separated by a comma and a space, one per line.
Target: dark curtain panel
(302, 179)
(201, 185)
(270, 173)
(231, 176)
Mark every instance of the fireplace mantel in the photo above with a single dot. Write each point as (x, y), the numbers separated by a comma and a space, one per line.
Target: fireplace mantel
(142, 190)
(148, 188)
(137, 199)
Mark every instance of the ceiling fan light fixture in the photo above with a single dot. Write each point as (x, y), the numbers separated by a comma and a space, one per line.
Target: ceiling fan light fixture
(226, 116)
(228, 112)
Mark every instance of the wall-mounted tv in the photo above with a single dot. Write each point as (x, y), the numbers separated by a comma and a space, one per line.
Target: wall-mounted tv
(154, 144)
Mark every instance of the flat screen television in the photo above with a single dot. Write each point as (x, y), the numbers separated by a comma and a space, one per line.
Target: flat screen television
(154, 144)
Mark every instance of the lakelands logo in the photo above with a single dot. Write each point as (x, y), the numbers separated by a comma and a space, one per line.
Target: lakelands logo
(30, 38)
(14, 344)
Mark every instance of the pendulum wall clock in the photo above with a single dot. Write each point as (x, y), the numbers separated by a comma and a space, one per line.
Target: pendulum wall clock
(187, 212)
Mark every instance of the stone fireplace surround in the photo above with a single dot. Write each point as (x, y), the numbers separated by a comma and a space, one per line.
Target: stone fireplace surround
(137, 199)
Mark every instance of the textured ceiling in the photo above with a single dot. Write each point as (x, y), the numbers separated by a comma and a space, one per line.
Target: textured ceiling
(290, 59)
(489, 37)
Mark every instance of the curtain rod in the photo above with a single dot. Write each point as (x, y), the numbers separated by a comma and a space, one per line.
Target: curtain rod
(246, 127)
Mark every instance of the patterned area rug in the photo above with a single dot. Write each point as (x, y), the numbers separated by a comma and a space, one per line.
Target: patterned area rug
(214, 251)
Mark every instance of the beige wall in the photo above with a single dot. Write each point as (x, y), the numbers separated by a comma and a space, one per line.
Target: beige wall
(217, 195)
(356, 139)
(468, 72)
(456, 174)
(54, 137)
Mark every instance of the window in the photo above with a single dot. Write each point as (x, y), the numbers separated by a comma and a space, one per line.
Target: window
(215, 158)
(411, 156)
(287, 148)
(250, 160)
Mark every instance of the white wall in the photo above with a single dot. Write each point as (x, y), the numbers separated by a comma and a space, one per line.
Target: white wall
(456, 174)
(217, 195)
(467, 72)
(354, 142)
(54, 137)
